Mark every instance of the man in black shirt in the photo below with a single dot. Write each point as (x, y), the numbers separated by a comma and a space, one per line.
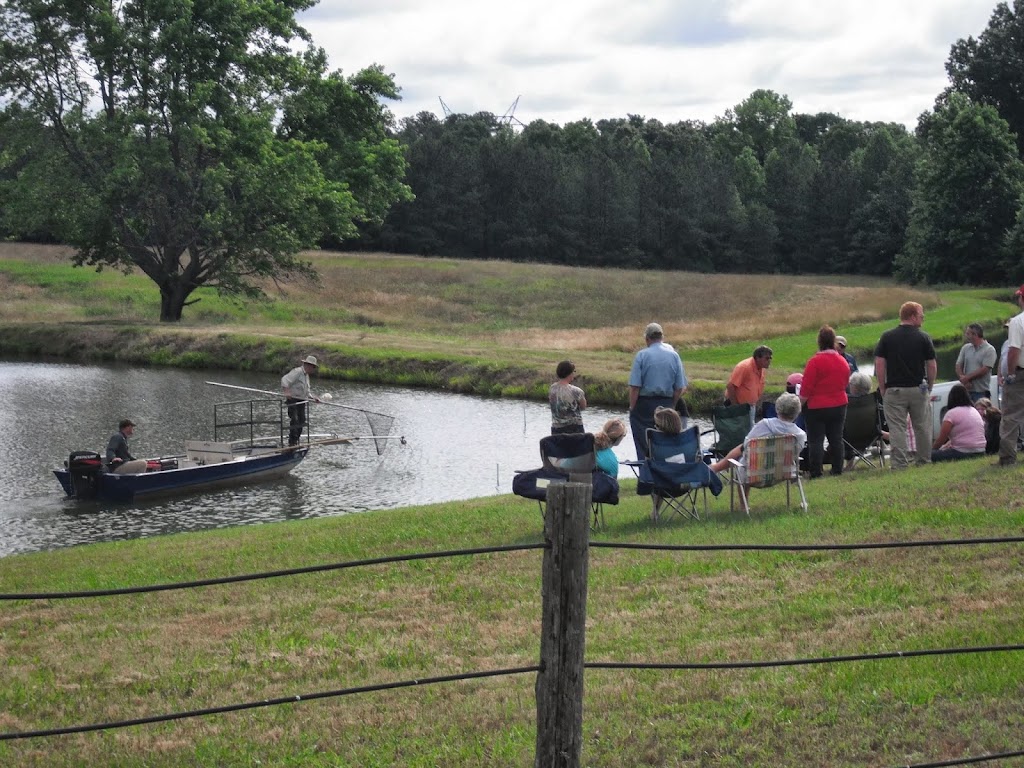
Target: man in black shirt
(905, 367)
(119, 460)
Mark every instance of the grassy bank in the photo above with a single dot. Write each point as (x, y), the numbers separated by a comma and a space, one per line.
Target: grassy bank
(84, 661)
(489, 328)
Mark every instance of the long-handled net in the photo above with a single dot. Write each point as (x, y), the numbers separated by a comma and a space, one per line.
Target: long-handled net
(380, 428)
(380, 423)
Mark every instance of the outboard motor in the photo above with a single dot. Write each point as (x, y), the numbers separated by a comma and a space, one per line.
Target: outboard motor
(85, 468)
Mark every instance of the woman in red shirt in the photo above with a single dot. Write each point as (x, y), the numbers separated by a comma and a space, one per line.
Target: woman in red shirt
(823, 392)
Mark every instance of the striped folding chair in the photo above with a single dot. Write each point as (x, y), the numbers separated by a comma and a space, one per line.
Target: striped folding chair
(766, 461)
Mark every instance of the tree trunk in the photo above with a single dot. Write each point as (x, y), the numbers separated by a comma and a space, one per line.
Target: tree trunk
(172, 302)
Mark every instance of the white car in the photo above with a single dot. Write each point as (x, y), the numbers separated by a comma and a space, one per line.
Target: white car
(940, 400)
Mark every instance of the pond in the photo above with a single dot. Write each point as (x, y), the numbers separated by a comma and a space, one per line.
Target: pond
(458, 447)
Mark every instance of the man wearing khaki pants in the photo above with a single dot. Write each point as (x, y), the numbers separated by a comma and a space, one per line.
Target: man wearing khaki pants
(905, 367)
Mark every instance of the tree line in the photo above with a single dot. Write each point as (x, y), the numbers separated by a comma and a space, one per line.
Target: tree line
(760, 189)
(207, 144)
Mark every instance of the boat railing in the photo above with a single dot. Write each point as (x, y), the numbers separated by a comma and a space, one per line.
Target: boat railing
(245, 422)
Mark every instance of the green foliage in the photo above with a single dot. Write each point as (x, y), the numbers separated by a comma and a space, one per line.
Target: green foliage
(989, 68)
(144, 134)
(759, 190)
(969, 183)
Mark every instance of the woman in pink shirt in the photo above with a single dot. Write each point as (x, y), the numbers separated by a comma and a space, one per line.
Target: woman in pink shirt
(823, 391)
(962, 434)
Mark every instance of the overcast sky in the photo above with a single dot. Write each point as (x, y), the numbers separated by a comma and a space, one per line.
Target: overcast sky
(665, 59)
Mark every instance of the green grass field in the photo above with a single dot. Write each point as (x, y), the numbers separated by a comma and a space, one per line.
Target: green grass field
(500, 329)
(82, 661)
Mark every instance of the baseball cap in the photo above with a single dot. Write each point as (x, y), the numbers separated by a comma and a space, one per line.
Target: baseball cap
(1019, 292)
(841, 340)
(652, 330)
(795, 379)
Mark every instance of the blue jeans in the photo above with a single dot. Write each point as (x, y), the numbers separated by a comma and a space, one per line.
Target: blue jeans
(952, 454)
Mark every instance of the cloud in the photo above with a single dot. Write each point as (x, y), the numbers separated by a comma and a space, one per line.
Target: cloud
(670, 60)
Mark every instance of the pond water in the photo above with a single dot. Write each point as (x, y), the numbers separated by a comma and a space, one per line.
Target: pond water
(458, 447)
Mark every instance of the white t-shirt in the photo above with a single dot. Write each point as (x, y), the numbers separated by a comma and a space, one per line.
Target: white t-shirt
(776, 426)
(1015, 336)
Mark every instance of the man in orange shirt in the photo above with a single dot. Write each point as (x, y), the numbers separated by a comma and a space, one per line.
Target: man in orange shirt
(746, 384)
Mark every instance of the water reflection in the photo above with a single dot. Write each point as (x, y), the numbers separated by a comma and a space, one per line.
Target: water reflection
(458, 447)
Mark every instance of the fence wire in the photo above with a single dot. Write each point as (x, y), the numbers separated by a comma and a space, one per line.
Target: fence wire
(528, 669)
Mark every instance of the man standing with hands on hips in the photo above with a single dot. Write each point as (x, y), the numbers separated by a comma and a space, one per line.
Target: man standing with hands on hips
(1013, 388)
(656, 379)
(905, 367)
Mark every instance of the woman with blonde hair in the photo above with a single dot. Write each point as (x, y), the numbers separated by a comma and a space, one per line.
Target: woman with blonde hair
(608, 437)
(668, 420)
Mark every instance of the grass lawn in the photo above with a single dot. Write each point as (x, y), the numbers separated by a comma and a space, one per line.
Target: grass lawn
(78, 661)
(499, 328)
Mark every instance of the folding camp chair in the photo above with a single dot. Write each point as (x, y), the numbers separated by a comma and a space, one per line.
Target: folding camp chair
(730, 425)
(674, 474)
(767, 461)
(568, 458)
(862, 432)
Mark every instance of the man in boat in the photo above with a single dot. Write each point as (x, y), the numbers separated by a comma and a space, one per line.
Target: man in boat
(119, 459)
(295, 385)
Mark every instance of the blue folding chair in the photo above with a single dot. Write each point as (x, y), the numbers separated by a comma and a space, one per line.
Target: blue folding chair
(674, 474)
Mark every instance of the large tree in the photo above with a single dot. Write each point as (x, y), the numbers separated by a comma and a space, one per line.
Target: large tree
(969, 182)
(990, 69)
(174, 136)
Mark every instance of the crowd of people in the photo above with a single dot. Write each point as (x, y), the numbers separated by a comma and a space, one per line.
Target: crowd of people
(814, 406)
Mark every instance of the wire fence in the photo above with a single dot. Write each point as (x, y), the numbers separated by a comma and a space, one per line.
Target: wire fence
(532, 669)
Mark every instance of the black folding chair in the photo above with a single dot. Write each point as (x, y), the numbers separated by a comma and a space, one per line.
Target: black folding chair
(568, 458)
(862, 432)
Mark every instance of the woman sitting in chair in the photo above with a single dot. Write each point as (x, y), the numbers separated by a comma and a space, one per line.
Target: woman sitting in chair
(788, 408)
(611, 434)
(668, 420)
(963, 429)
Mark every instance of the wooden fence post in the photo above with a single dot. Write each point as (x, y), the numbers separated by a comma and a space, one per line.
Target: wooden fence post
(559, 689)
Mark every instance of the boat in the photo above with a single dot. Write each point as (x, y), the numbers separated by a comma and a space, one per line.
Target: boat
(204, 466)
(236, 455)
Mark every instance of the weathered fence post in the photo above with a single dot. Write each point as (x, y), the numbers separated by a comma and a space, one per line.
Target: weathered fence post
(559, 688)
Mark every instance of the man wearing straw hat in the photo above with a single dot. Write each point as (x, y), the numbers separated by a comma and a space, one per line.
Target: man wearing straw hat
(295, 385)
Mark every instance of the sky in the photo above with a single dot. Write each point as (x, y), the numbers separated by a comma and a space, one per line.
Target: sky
(670, 60)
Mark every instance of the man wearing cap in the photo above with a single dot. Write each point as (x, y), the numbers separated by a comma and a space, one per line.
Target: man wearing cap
(905, 367)
(746, 384)
(295, 385)
(119, 460)
(1013, 388)
(975, 362)
(841, 349)
(657, 378)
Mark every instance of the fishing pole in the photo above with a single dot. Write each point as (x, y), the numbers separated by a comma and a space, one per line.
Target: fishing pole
(278, 394)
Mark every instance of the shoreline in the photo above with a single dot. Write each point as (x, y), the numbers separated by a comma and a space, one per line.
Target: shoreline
(183, 348)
